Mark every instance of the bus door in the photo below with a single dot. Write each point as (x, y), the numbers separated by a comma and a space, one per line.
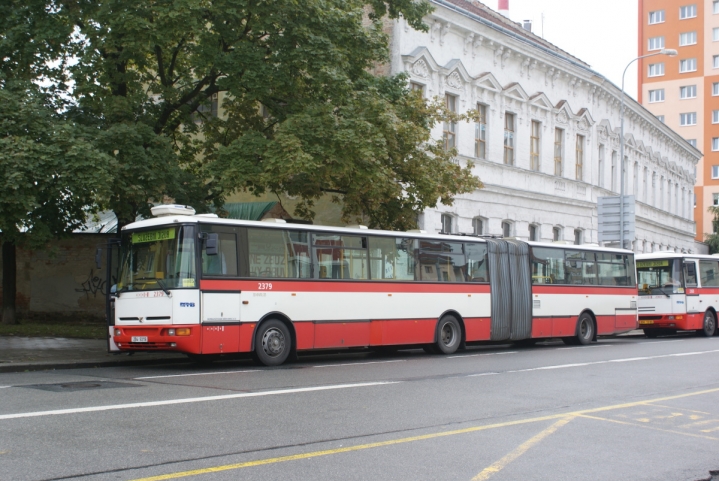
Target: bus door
(692, 299)
(220, 306)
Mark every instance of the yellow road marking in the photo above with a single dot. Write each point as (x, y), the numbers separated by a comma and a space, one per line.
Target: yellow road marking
(260, 462)
(523, 448)
(674, 407)
(644, 426)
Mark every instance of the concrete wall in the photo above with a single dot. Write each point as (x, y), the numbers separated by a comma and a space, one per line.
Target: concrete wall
(62, 280)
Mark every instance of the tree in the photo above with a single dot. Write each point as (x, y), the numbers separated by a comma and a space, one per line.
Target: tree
(712, 240)
(301, 113)
(52, 178)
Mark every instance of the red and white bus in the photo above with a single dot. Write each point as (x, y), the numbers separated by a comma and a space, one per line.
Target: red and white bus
(678, 292)
(207, 286)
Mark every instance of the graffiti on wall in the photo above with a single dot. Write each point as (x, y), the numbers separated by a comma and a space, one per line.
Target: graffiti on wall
(93, 285)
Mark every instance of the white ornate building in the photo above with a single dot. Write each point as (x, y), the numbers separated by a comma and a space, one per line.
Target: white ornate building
(548, 143)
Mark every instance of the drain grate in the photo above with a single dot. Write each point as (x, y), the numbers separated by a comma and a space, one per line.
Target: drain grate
(80, 386)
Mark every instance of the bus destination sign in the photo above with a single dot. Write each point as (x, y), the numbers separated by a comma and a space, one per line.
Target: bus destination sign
(664, 263)
(153, 236)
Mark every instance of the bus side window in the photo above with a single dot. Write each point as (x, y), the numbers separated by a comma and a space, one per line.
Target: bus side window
(708, 273)
(476, 262)
(548, 265)
(690, 274)
(224, 263)
(391, 259)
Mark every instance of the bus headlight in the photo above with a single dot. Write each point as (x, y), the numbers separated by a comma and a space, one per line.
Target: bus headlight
(170, 332)
(118, 332)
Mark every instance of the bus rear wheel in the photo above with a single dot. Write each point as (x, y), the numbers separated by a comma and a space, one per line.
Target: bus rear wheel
(449, 335)
(273, 342)
(651, 333)
(584, 333)
(709, 325)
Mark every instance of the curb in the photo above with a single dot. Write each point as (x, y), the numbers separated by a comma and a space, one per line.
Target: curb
(11, 367)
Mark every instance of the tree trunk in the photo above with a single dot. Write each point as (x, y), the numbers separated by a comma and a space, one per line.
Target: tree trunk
(9, 282)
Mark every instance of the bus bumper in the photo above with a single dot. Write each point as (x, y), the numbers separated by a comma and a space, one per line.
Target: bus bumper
(173, 338)
(671, 321)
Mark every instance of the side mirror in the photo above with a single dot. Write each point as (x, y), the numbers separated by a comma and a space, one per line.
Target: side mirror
(691, 268)
(98, 258)
(211, 244)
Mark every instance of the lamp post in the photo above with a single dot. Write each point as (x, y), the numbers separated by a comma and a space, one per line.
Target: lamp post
(665, 51)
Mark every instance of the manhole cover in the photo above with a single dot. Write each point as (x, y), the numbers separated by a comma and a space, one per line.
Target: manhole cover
(80, 386)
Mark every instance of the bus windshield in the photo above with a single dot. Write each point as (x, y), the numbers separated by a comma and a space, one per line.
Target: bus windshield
(157, 259)
(659, 277)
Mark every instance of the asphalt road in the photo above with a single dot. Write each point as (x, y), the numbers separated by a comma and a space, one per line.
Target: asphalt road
(621, 409)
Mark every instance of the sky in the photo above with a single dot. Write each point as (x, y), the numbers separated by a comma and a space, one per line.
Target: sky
(602, 33)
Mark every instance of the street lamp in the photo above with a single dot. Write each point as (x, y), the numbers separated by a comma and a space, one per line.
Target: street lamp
(665, 51)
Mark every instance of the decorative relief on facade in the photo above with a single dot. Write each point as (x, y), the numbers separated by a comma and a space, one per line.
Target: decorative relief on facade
(560, 185)
(434, 31)
(468, 40)
(524, 67)
(505, 56)
(583, 125)
(454, 80)
(562, 117)
(420, 69)
(497, 54)
(476, 44)
(443, 33)
(548, 77)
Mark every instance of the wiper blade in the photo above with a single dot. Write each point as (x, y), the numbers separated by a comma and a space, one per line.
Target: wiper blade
(164, 288)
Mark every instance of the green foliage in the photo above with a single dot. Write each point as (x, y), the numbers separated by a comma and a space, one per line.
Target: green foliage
(712, 240)
(52, 172)
(300, 111)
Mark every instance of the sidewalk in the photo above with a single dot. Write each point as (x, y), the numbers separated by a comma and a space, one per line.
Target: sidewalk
(42, 353)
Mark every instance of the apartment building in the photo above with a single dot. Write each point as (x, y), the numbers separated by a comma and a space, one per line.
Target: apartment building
(683, 91)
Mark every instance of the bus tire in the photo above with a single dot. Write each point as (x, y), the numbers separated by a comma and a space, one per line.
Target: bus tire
(449, 335)
(709, 325)
(273, 343)
(585, 329)
(651, 333)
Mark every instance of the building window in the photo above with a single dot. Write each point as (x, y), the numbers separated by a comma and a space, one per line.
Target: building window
(534, 145)
(715, 89)
(715, 116)
(556, 233)
(688, 92)
(533, 232)
(656, 17)
(656, 69)
(446, 224)
(686, 65)
(715, 200)
(715, 144)
(660, 118)
(692, 142)
(558, 151)
(577, 236)
(480, 132)
(656, 95)
(417, 87)
(506, 229)
(478, 226)
(687, 11)
(600, 166)
(715, 6)
(715, 61)
(715, 34)
(689, 118)
(508, 138)
(206, 110)
(579, 173)
(656, 43)
(687, 38)
(614, 170)
(715, 171)
(450, 128)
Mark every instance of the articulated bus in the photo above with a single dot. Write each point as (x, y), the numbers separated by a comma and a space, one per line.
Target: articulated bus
(206, 286)
(678, 292)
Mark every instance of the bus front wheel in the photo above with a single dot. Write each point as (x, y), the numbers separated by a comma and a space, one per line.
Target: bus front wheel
(709, 325)
(273, 342)
(449, 335)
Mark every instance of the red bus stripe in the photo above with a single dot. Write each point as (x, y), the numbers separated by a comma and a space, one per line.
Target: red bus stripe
(588, 290)
(341, 286)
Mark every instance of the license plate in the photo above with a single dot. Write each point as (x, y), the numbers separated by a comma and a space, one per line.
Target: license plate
(139, 339)
(646, 321)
